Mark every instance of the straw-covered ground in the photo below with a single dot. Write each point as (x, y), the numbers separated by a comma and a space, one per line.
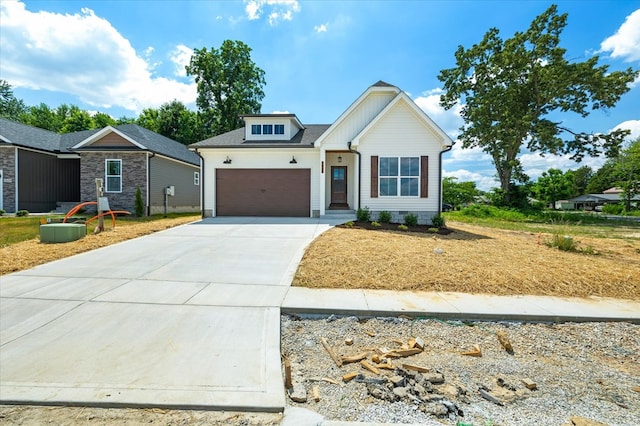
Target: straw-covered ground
(30, 253)
(474, 259)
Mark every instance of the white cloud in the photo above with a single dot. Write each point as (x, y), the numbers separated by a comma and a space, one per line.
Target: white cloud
(81, 54)
(322, 28)
(277, 10)
(633, 126)
(484, 180)
(449, 120)
(181, 56)
(625, 43)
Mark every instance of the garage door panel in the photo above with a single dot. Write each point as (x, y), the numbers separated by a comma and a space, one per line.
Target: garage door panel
(263, 192)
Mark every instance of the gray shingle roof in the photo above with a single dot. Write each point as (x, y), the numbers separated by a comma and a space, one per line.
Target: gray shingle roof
(305, 138)
(36, 138)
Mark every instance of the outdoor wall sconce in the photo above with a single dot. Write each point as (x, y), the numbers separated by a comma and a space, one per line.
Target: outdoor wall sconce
(339, 158)
(293, 160)
(227, 160)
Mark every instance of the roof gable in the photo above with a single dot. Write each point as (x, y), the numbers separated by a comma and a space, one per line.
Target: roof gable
(403, 98)
(379, 87)
(109, 136)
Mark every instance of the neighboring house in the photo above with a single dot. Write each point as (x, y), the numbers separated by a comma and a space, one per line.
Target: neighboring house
(40, 169)
(591, 201)
(383, 153)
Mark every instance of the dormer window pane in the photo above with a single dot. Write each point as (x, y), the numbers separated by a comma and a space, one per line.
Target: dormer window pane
(267, 129)
(279, 129)
(255, 129)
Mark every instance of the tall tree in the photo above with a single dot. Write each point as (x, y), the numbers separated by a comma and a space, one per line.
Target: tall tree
(77, 120)
(603, 179)
(10, 107)
(148, 119)
(229, 84)
(627, 172)
(43, 117)
(177, 122)
(102, 119)
(554, 185)
(581, 178)
(510, 89)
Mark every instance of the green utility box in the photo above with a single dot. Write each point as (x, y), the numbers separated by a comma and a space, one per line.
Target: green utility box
(62, 232)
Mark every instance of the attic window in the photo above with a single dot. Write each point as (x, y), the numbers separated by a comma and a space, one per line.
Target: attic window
(279, 128)
(256, 129)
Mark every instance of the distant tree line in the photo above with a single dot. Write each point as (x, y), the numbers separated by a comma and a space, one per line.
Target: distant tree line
(229, 84)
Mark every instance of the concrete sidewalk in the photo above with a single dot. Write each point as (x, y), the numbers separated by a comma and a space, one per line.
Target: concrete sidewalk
(448, 305)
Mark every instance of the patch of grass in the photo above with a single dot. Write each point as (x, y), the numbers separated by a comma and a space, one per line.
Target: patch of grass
(376, 224)
(403, 227)
(16, 229)
(563, 242)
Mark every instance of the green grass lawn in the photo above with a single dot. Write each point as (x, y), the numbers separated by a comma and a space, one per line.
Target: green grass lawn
(15, 229)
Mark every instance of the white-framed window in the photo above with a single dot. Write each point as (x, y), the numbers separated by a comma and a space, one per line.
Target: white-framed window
(196, 178)
(256, 129)
(267, 129)
(279, 129)
(399, 176)
(113, 175)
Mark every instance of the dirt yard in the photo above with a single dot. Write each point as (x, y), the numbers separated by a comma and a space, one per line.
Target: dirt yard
(472, 259)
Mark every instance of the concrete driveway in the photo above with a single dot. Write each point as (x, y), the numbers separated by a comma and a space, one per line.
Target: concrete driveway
(184, 318)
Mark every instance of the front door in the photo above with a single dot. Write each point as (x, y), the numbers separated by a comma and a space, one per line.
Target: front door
(339, 185)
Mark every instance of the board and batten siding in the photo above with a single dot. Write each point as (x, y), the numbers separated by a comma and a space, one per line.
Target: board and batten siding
(249, 158)
(164, 172)
(356, 120)
(400, 133)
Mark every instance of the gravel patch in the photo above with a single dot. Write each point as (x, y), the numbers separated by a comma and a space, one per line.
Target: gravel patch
(579, 369)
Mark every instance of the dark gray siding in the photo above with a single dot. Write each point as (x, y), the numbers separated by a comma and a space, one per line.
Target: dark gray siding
(44, 179)
(163, 173)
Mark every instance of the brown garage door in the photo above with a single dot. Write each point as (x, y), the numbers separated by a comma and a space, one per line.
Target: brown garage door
(263, 192)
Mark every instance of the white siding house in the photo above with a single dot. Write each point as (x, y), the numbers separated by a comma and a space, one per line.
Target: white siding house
(383, 153)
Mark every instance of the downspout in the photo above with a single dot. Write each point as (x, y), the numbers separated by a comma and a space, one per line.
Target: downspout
(149, 157)
(359, 172)
(201, 182)
(440, 179)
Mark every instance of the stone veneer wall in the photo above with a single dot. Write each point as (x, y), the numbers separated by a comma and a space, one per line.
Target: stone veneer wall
(134, 174)
(8, 167)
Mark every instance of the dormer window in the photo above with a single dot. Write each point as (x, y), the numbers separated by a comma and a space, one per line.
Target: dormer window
(267, 129)
(256, 129)
(279, 128)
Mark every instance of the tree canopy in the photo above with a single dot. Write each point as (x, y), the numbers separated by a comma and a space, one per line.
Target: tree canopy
(10, 106)
(554, 185)
(458, 193)
(229, 85)
(510, 90)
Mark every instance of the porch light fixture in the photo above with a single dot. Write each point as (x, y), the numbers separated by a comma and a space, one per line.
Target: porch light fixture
(293, 160)
(339, 158)
(227, 160)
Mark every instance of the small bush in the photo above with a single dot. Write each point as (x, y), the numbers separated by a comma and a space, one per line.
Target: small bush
(348, 224)
(438, 221)
(139, 204)
(363, 215)
(2, 212)
(433, 230)
(563, 242)
(410, 219)
(375, 224)
(613, 209)
(384, 217)
(403, 227)
(22, 213)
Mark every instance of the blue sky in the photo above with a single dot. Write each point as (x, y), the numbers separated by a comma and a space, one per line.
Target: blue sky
(122, 56)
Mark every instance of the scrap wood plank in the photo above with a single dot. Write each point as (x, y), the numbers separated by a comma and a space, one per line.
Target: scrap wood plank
(349, 376)
(415, 368)
(504, 341)
(369, 367)
(287, 373)
(399, 353)
(486, 395)
(315, 391)
(385, 366)
(473, 352)
(529, 384)
(333, 355)
(354, 358)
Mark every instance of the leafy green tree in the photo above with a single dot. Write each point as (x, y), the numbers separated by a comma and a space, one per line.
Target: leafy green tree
(581, 178)
(41, 116)
(627, 172)
(77, 120)
(177, 122)
(554, 185)
(125, 120)
(458, 193)
(229, 85)
(10, 107)
(101, 120)
(148, 119)
(510, 88)
(603, 178)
